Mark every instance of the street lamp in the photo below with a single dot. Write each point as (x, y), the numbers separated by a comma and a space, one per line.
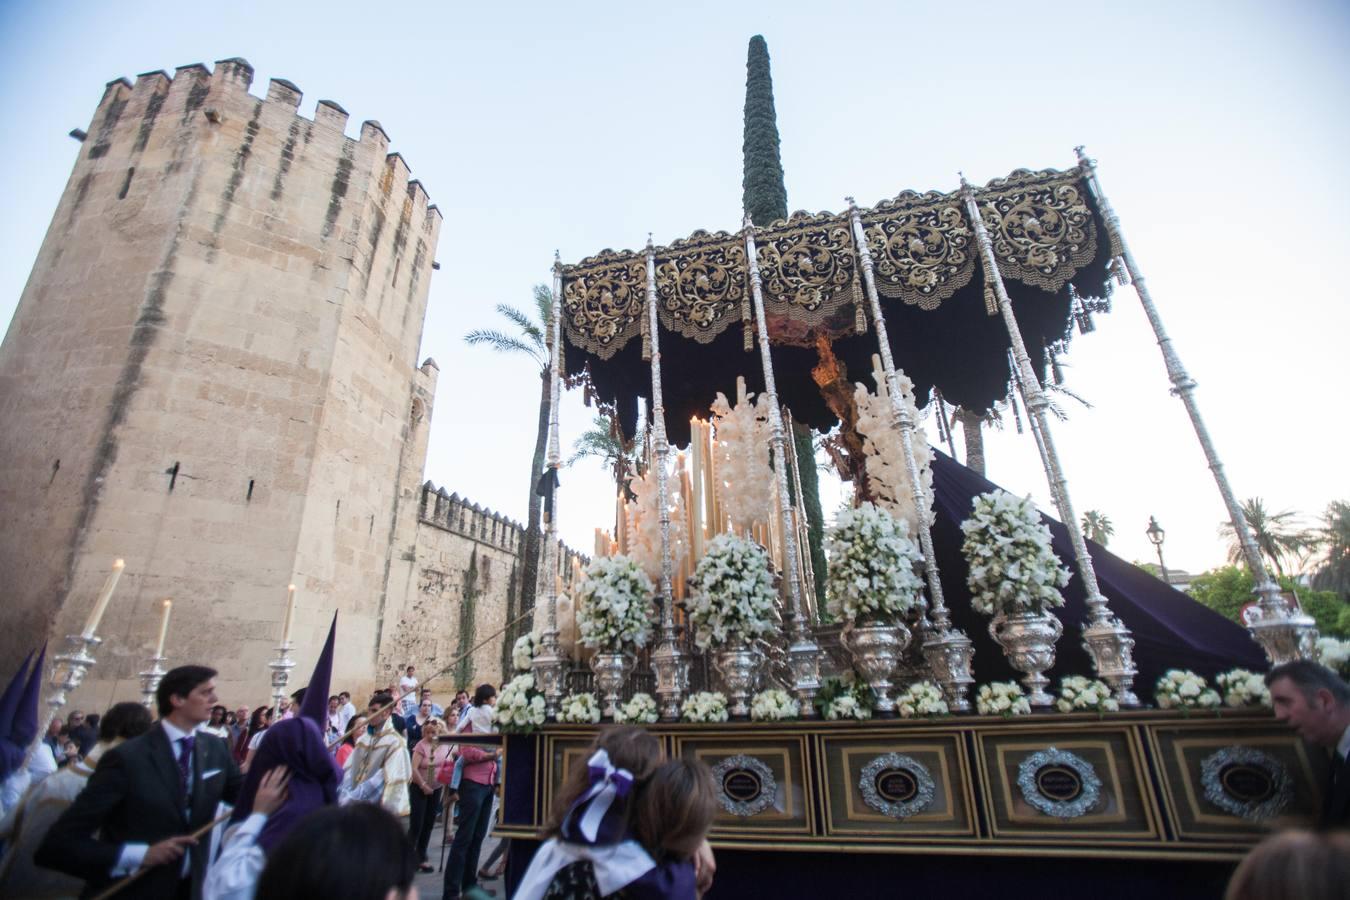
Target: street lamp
(1156, 535)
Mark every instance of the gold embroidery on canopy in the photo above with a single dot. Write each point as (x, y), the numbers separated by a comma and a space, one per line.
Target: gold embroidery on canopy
(921, 248)
(807, 266)
(701, 284)
(1040, 225)
(603, 299)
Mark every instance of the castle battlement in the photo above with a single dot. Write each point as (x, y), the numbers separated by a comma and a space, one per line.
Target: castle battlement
(194, 95)
(451, 512)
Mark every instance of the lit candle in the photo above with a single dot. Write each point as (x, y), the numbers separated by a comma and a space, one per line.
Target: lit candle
(100, 605)
(290, 615)
(163, 628)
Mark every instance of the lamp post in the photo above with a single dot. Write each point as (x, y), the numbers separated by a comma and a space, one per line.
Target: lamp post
(1156, 535)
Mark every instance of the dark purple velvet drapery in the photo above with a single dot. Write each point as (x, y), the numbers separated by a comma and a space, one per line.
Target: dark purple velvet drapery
(1171, 631)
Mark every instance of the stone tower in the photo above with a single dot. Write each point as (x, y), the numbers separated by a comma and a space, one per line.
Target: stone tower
(212, 374)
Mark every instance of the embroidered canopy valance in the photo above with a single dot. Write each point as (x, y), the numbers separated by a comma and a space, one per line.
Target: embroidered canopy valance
(1048, 241)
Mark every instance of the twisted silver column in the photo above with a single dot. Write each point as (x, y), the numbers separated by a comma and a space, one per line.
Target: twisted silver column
(1105, 637)
(803, 652)
(948, 651)
(1283, 634)
(670, 661)
(549, 662)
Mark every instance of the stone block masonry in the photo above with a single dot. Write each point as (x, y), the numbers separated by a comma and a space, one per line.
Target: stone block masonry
(212, 374)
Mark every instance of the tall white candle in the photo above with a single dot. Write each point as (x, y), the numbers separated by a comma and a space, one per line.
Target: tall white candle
(101, 605)
(163, 628)
(290, 615)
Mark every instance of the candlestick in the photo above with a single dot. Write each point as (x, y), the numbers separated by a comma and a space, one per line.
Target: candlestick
(290, 615)
(69, 672)
(101, 604)
(150, 680)
(163, 628)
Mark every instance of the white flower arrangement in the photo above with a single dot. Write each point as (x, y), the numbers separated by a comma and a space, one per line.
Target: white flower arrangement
(1012, 567)
(745, 485)
(732, 595)
(705, 706)
(523, 651)
(774, 705)
(641, 710)
(884, 459)
(1241, 687)
(1335, 654)
(579, 709)
(520, 706)
(1183, 689)
(1002, 698)
(846, 706)
(615, 611)
(845, 697)
(873, 565)
(1079, 694)
(644, 520)
(922, 698)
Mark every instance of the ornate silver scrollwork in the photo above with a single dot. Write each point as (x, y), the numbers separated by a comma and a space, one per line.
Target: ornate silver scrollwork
(918, 792)
(1246, 782)
(1059, 783)
(758, 791)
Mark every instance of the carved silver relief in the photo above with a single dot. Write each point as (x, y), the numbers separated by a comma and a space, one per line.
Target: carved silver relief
(896, 785)
(1059, 783)
(745, 785)
(1246, 782)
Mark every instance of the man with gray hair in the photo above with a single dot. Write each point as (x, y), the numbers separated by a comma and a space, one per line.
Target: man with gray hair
(1316, 702)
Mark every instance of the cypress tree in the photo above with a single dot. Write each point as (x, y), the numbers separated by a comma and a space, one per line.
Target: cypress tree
(764, 196)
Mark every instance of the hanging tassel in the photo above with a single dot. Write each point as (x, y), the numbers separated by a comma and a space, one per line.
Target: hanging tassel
(859, 313)
(943, 431)
(1055, 367)
(646, 339)
(747, 327)
(1012, 401)
(990, 301)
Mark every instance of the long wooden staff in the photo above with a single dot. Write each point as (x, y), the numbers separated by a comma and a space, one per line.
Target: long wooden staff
(205, 829)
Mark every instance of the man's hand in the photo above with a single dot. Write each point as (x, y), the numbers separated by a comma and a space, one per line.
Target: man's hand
(705, 867)
(272, 791)
(167, 851)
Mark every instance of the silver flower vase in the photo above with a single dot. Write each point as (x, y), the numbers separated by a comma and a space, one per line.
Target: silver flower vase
(736, 665)
(876, 648)
(611, 670)
(1028, 640)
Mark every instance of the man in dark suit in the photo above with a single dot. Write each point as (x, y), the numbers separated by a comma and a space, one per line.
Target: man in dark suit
(146, 798)
(1316, 702)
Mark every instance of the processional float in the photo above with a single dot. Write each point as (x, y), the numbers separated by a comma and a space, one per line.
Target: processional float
(960, 287)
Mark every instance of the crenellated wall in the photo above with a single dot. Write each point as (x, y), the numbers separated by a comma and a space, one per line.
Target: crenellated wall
(212, 374)
(458, 585)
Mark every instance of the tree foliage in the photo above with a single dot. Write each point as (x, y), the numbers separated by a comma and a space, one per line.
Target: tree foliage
(1097, 526)
(1229, 589)
(530, 338)
(764, 192)
(1332, 541)
(1279, 537)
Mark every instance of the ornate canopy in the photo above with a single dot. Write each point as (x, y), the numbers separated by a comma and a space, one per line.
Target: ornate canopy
(944, 331)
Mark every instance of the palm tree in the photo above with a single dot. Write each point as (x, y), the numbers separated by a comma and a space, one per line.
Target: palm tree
(1097, 527)
(531, 338)
(603, 442)
(1279, 537)
(1333, 541)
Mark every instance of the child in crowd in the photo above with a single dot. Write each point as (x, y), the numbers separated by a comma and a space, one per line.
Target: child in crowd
(626, 826)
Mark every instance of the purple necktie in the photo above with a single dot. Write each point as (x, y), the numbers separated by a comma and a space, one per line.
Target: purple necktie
(185, 760)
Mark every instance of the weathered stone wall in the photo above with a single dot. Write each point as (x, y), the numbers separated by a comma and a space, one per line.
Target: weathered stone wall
(453, 591)
(212, 374)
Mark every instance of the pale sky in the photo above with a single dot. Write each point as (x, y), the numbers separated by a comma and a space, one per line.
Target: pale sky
(1220, 129)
